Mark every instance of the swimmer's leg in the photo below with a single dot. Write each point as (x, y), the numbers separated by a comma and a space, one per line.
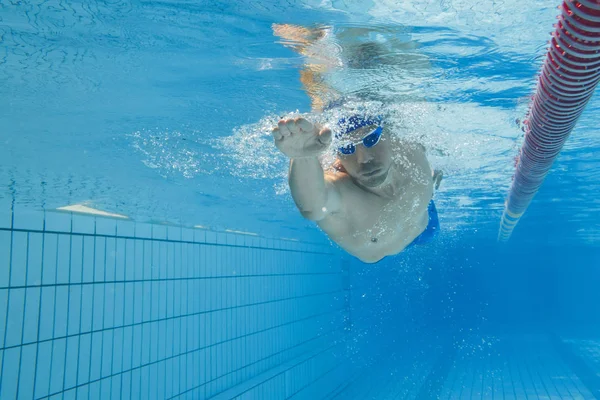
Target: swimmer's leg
(353, 47)
(320, 57)
(375, 46)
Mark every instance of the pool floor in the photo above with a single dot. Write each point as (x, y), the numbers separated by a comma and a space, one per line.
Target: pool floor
(493, 367)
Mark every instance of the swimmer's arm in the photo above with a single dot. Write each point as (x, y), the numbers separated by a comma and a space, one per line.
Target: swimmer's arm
(436, 174)
(315, 194)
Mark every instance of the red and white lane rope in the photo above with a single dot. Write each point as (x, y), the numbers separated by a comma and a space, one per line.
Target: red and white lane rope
(566, 83)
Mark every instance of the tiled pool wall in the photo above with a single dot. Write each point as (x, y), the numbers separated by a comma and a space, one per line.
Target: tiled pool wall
(94, 307)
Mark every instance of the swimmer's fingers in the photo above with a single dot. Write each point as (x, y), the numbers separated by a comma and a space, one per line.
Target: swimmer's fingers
(304, 125)
(283, 128)
(276, 132)
(293, 127)
(325, 136)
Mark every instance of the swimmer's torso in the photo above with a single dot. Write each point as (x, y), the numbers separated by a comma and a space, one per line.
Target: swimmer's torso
(371, 226)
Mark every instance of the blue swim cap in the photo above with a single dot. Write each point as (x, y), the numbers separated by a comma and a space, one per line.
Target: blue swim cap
(355, 122)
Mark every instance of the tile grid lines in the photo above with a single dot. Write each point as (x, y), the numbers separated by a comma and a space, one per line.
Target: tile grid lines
(10, 259)
(548, 375)
(565, 371)
(207, 382)
(135, 253)
(199, 349)
(54, 285)
(538, 368)
(93, 302)
(152, 263)
(257, 361)
(587, 382)
(322, 351)
(344, 386)
(323, 375)
(80, 310)
(68, 294)
(347, 327)
(114, 314)
(186, 312)
(123, 321)
(22, 326)
(103, 308)
(156, 239)
(93, 361)
(508, 369)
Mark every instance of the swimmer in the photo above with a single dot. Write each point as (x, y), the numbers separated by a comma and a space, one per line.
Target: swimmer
(377, 201)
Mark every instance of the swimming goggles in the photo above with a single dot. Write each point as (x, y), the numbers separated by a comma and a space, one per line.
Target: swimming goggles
(370, 140)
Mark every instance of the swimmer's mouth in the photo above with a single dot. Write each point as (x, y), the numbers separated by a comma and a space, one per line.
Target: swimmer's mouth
(371, 173)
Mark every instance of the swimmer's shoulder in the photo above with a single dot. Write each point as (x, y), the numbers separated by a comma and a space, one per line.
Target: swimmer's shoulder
(347, 193)
(335, 223)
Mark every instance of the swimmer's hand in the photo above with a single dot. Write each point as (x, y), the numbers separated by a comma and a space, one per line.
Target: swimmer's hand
(298, 138)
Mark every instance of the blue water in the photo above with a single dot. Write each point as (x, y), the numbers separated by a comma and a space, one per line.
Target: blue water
(161, 111)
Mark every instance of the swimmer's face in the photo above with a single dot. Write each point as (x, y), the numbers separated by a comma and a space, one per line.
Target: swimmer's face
(368, 166)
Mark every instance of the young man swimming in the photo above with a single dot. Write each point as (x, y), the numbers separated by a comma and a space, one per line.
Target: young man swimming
(377, 201)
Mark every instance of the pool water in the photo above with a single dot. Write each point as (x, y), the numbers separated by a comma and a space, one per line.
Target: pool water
(150, 248)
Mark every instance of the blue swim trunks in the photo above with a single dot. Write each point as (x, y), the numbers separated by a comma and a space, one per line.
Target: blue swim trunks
(433, 226)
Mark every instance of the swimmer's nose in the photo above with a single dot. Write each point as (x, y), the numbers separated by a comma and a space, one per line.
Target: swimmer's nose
(363, 156)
